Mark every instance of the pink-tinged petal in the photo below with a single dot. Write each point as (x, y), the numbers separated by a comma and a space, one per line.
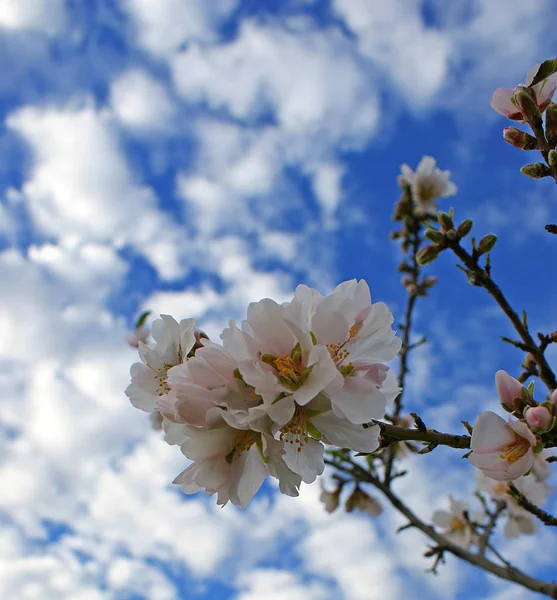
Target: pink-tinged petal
(490, 433)
(186, 480)
(247, 475)
(359, 400)
(488, 461)
(508, 388)
(501, 102)
(308, 462)
(267, 322)
(238, 343)
(328, 326)
(523, 431)
(532, 73)
(323, 372)
(191, 404)
(344, 434)
(303, 306)
(282, 411)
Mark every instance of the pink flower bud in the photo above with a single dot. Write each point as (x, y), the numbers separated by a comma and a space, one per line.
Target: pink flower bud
(538, 418)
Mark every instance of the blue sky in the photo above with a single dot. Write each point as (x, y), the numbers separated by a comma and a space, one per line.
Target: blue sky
(190, 157)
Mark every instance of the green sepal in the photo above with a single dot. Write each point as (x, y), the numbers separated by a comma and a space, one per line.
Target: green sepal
(269, 359)
(546, 69)
(314, 432)
(142, 318)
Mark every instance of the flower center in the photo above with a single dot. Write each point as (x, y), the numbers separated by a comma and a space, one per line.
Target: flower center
(516, 450)
(457, 525)
(289, 368)
(296, 430)
(243, 441)
(162, 382)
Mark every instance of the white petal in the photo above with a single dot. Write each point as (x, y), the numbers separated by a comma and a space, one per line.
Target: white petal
(344, 434)
(247, 475)
(308, 462)
(490, 433)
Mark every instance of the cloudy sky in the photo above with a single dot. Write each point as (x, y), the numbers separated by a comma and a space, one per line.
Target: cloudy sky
(191, 156)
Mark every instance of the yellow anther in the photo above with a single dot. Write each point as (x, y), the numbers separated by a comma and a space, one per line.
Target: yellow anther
(516, 450)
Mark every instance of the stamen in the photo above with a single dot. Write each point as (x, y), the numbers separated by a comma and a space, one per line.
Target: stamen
(516, 450)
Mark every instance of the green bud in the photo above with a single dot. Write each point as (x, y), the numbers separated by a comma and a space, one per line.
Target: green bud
(464, 228)
(452, 235)
(551, 124)
(435, 236)
(526, 104)
(487, 243)
(552, 158)
(519, 139)
(428, 254)
(445, 221)
(536, 170)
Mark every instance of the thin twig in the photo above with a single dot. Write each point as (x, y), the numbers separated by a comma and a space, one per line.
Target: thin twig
(542, 515)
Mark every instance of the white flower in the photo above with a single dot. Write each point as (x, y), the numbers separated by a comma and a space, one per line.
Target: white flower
(503, 451)
(453, 523)
(173, 342)
(428, 184)
(359, 338)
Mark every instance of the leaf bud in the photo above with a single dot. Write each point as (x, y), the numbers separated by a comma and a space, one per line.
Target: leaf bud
(464, 228)
(429, 281)
(445, 221)
(519, 139)
(551, 124)
(435, 236)
(452, 235)
(536, 170)
(428, 254)
(552, 158)
(487, 243)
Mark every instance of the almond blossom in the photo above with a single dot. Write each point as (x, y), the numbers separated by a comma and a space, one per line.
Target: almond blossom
(173, 342)
(504, 100)
(428, 183)
(454, 524)
(503, 451)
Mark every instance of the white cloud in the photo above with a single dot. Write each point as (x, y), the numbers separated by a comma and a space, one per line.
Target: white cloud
(140, 102)
(396, 39)
(162, 26)
(81, 185)
(44, 15)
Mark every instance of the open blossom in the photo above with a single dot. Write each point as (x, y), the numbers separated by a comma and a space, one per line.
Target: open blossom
(503, 451)
(453, 523)
(505, 101)
(428, 183)
(173, 342)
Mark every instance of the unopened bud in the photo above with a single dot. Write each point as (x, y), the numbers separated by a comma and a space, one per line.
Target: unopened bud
(519, 139)
(435, 236)
(394, 235)
(553, 397)
(452, 235)
(428, 254)
(445, 221)
(526, 104)
(538, 418)
(553, 336)
(551, 124)
(552, 158)
(487, 243)
(536, 170)
(464, 228)
(430, 281)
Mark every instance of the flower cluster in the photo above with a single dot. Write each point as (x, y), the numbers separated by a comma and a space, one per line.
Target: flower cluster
(503, 450)
(290, 379)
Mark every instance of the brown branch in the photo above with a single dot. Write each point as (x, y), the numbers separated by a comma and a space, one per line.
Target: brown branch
(483, 279)
(507, 572)
(394, 433)
(542, 515)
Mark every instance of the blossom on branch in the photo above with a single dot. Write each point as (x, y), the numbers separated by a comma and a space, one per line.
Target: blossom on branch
(428, 183)
(293, 378)
(514, 104)
(501, 450)
(454, 524)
